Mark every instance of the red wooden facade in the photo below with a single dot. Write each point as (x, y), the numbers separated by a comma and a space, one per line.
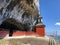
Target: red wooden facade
(39, 31)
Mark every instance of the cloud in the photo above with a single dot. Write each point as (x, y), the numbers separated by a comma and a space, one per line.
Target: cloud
(58, 23)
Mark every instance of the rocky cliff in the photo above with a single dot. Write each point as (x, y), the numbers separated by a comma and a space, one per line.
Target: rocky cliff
(23, 11)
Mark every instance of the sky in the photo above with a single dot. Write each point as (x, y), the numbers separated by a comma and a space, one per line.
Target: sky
(50, 11)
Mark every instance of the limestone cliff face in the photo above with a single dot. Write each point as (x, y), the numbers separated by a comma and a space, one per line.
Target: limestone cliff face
(23, 11)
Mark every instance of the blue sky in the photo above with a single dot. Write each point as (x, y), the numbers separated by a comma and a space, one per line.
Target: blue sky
(50, 11)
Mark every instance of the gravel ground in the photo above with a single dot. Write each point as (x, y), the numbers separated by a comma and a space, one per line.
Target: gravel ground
(26, 41)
